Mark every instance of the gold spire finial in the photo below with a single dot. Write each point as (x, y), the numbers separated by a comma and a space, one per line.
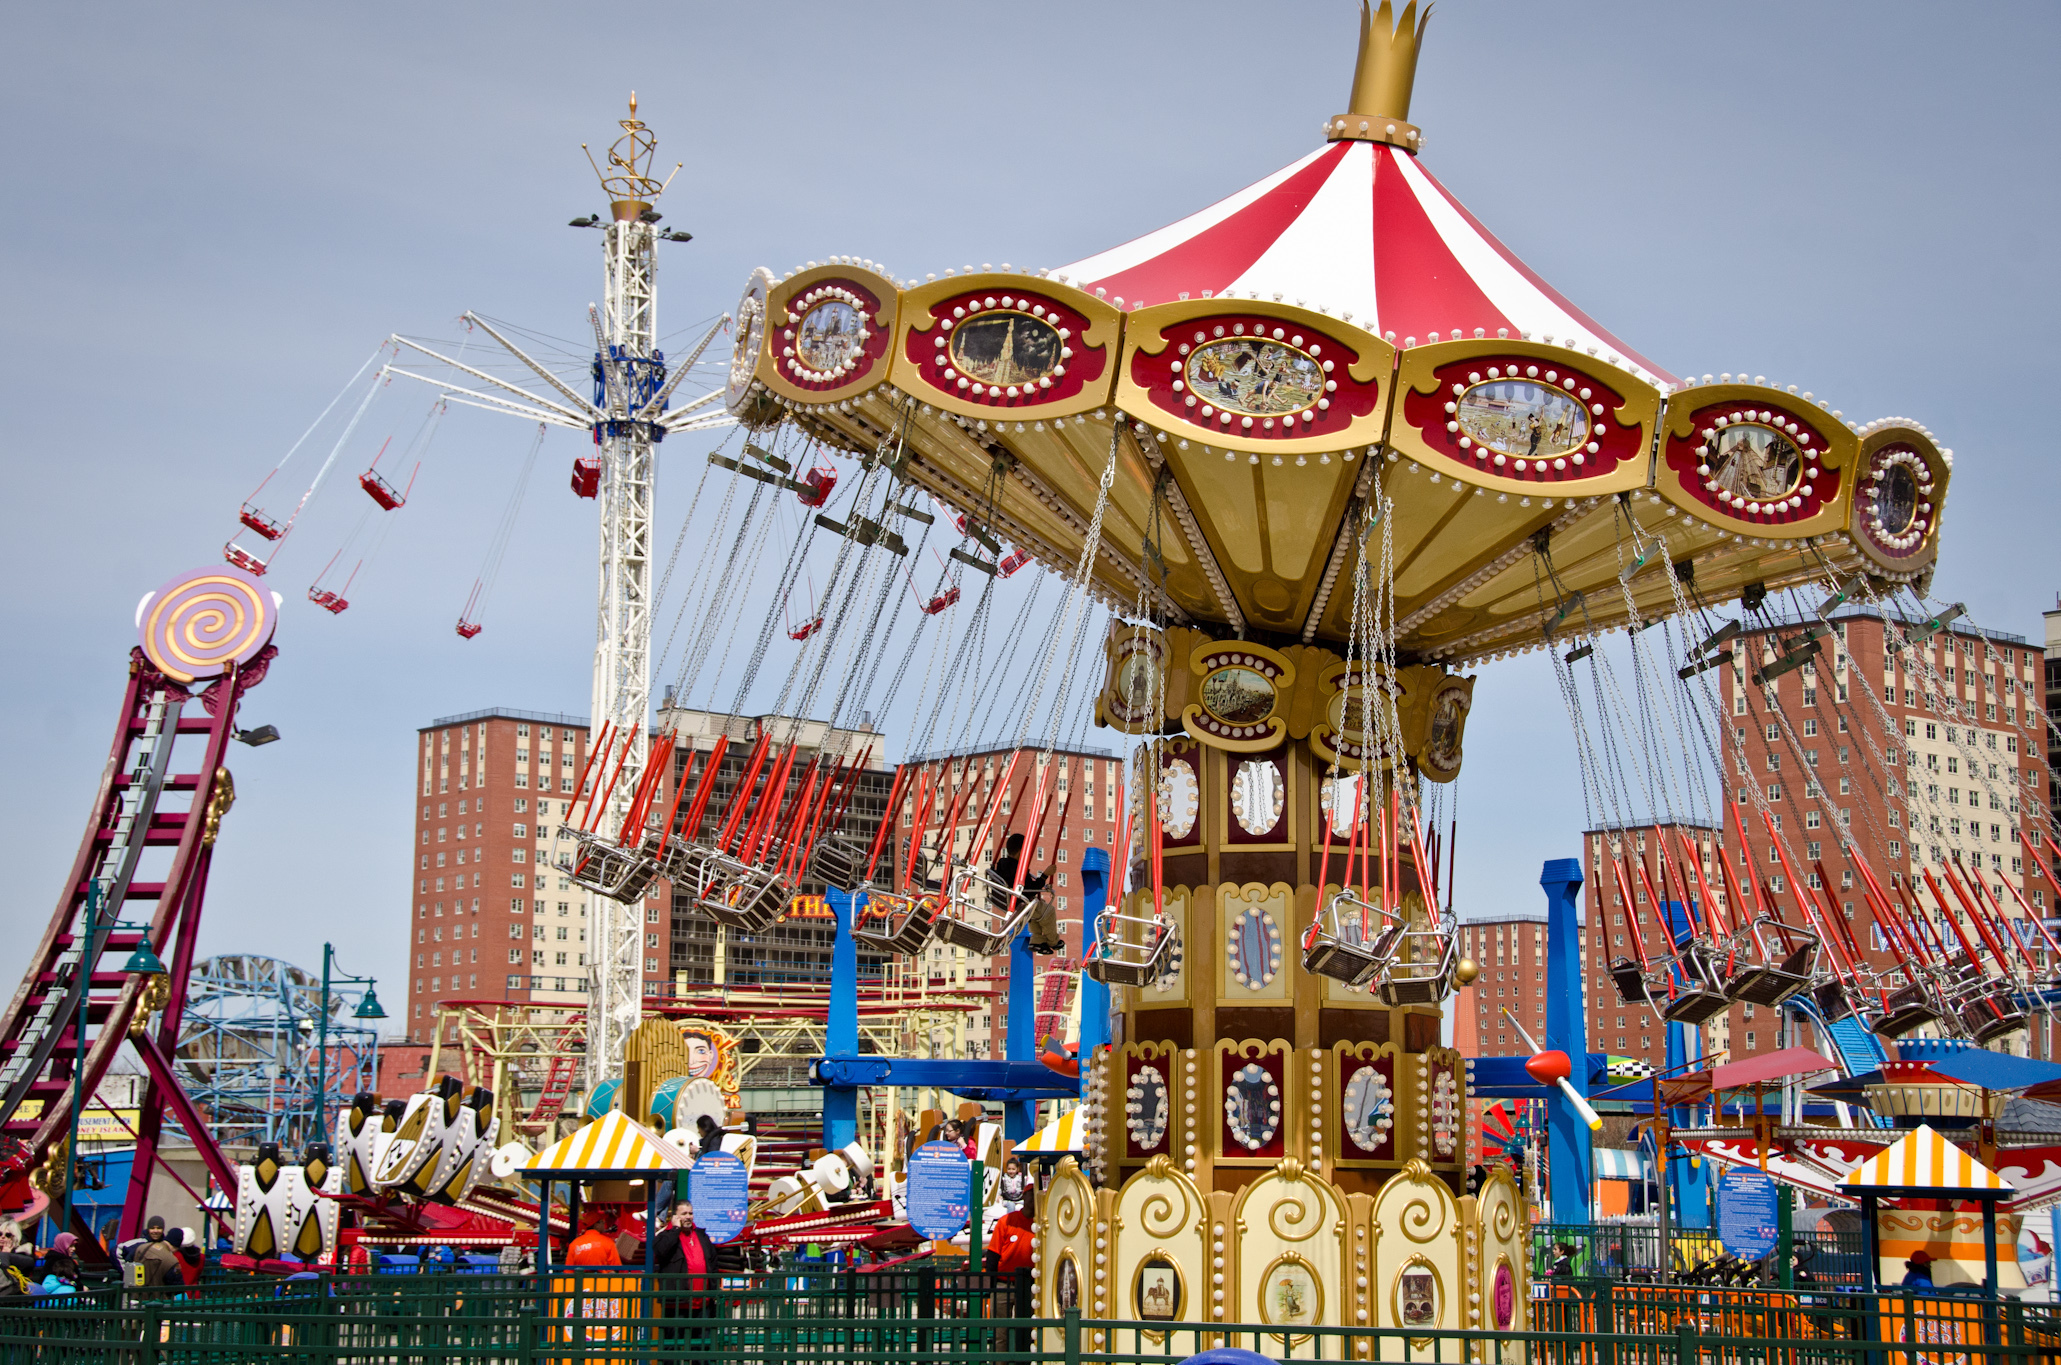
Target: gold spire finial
(1383, 77)
(627, 181)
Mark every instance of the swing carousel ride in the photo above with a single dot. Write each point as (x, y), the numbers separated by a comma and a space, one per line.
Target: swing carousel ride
(1292, 466)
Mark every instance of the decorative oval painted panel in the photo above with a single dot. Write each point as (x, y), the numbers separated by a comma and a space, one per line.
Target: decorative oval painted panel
(1258, 796)
(1252, 1107)
(1253, 947)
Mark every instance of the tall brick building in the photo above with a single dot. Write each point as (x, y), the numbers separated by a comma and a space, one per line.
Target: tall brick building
(492, 918)
(1920, 748)
(1511, 952)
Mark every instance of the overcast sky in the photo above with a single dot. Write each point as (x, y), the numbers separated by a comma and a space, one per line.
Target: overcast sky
(214, 213)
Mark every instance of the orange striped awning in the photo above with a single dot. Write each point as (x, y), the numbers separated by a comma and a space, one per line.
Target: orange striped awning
(1924, 1161)
(613, 1142)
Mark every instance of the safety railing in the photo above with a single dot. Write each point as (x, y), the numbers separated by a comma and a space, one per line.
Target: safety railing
(860, 1319)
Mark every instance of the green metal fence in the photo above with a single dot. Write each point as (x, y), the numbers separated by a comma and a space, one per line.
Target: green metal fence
(853, 1319)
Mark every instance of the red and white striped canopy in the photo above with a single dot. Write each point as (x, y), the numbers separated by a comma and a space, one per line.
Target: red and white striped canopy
(1360, 230)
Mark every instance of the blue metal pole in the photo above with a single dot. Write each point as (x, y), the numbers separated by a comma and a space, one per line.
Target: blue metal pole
(1095, 889)
(841, 1029)
(1020, 1043)
(1566, 1029)
(1688, 1179)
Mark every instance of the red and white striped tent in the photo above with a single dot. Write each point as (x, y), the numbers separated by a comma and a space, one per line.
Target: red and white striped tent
(1362, 231)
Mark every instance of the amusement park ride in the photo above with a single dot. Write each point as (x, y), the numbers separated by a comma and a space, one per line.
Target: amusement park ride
(1293, 463)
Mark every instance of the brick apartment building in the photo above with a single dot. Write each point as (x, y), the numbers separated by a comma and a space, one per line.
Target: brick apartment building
(1921, 749)
(491, 919)
(1511, 952)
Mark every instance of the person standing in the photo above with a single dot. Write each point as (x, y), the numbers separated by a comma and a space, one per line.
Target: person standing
(686, 1259)
(17, 1261)
(159, 1259)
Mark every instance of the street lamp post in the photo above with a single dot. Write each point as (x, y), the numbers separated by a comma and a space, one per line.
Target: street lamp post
(368, 1008)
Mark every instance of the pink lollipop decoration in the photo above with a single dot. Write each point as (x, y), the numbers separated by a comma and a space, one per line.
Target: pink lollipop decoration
(201, 622)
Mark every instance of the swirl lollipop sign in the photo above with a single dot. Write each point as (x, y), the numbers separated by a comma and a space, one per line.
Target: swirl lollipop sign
(201, 622)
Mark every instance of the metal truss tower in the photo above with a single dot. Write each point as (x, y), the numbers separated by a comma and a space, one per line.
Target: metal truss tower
(629, 413)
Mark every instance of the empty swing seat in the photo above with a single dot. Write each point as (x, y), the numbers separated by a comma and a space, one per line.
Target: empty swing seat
(1990, 1012)
(1831, 999)
(1904, 1009)
(621, 874)
(969, 918)
(837, 860)
(1337, 945)
(1699, 1000)
(1422, 971)
(1130, 950)
(1631, 982)
(381, 492)
(896, 924)
(738, 896)
(1769, 984)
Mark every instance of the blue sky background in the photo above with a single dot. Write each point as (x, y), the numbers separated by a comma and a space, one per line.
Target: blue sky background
(214, 213)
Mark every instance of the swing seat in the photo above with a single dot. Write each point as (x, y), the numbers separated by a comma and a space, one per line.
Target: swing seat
(1906, 1008)
(1631, 982)
(1336, 945)
(968, 918)
(1422, 972)
(1831, 999)
(748, 899)
(621, 874)
(681, 861)
(895, 924)
(838, 860)
(1770, 984)
(1130, 950)
(1989, 1013)
(1699, 1000)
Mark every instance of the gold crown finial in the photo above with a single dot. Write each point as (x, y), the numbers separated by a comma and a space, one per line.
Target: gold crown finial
(628, 181)
(1383, 77)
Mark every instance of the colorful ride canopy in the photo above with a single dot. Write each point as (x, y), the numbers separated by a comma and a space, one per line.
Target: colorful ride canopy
(1260, 363)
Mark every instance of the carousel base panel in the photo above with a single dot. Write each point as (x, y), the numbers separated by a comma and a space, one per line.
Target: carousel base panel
(1289, 1250)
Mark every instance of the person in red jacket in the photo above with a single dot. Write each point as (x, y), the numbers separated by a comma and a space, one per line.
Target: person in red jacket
(685, 1260)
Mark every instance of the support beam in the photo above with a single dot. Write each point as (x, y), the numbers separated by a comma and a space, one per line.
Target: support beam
(1566, 1029)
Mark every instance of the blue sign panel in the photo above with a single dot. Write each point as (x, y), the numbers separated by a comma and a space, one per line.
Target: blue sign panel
(1746, 1213)
(717, 1185)
(938, 1189)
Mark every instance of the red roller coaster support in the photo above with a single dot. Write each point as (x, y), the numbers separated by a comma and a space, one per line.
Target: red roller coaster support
(153, 741)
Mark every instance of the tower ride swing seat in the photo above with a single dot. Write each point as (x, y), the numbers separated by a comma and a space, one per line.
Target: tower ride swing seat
(1422, 971)
(741, 896)
(981, 914)
(837, 860)
(1130, 950)
(1700, 998)
(1631, 981)
(380, 491)
(1989, 1010)
(1337, 945)
(1760, 982)
(1905, 1009)
(896, 924)
(621, 874)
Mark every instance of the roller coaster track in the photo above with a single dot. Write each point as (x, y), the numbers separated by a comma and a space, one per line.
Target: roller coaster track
(144, 807)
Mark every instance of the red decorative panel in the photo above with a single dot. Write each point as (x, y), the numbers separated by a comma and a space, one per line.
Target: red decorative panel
(1254, 1105)
(830, 335)
(1528, 418)
(1006, 347)
(1753, 461)
(1248, 377)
